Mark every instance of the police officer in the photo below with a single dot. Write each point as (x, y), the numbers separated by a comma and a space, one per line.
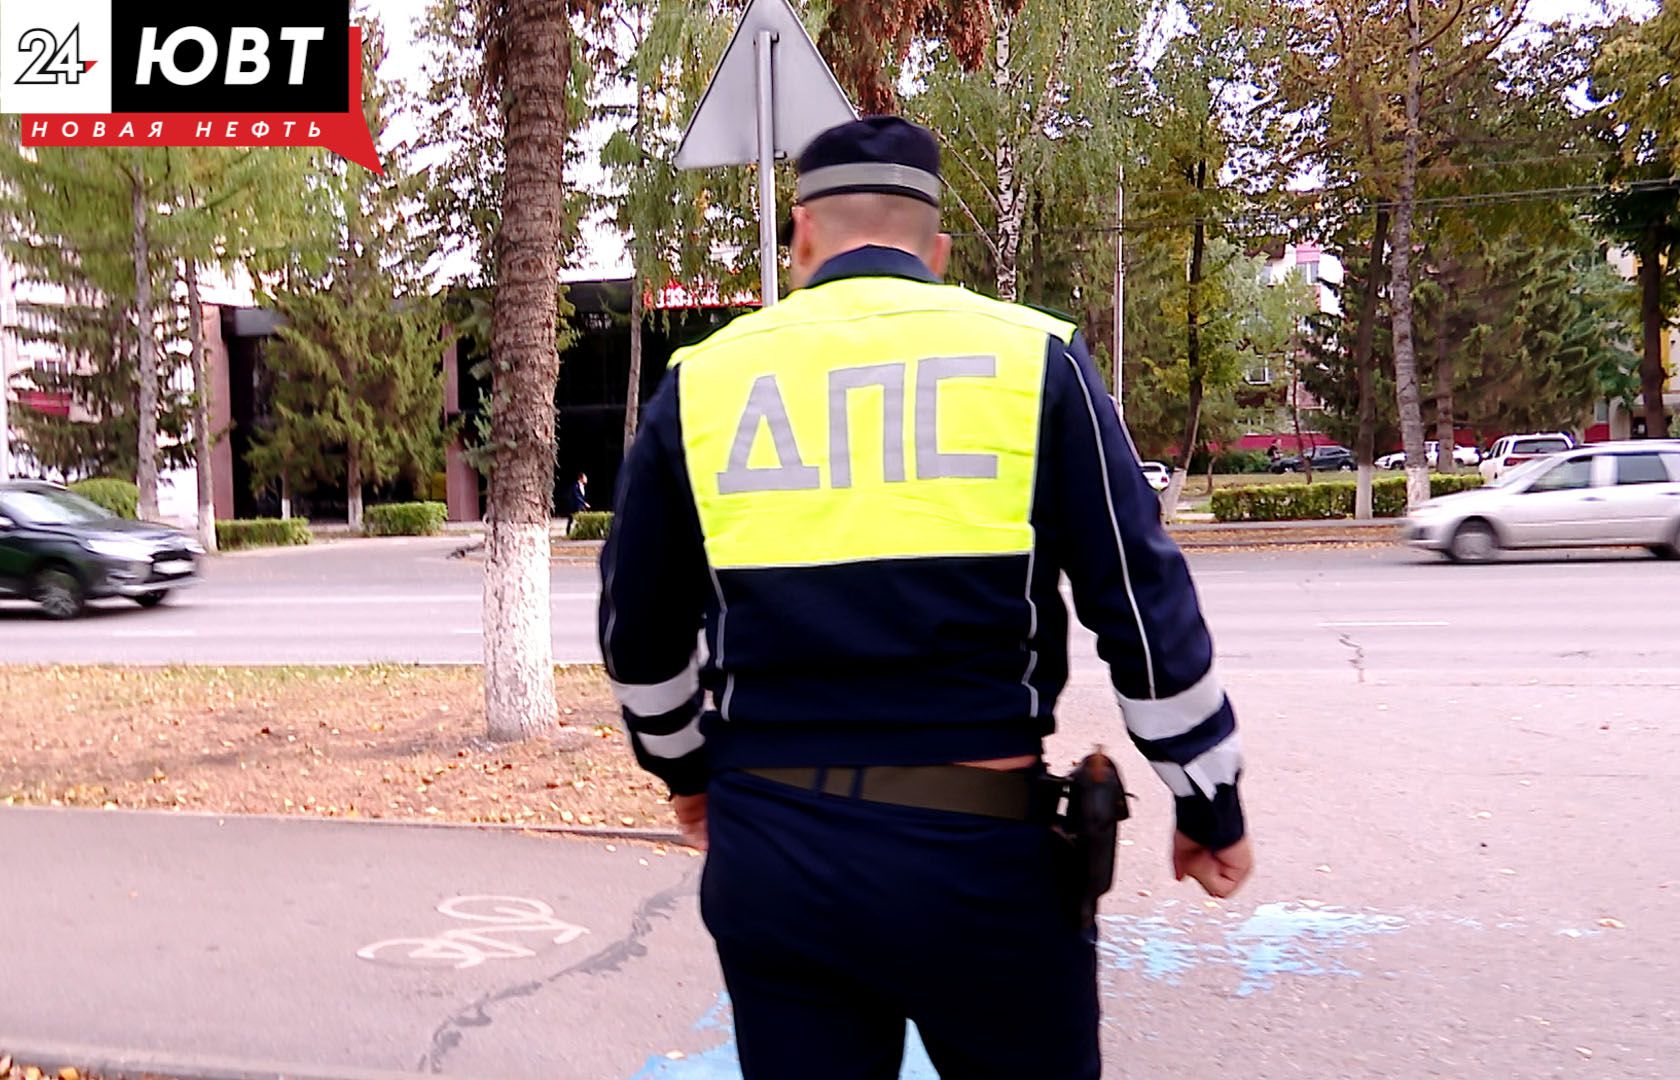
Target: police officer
(867, 497)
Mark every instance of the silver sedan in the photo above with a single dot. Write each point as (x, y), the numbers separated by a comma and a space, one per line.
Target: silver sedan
(1605, 494)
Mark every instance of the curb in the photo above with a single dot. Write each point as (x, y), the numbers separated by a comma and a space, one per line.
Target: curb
(114, 1064)
(576, 832)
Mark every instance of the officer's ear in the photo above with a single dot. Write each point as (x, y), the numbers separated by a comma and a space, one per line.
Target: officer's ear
(940, 257)
(803, 247)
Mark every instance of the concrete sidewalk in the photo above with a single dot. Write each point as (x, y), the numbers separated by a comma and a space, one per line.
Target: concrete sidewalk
(246, 947)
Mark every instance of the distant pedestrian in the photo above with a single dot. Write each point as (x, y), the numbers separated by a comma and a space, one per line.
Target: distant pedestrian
(577, 501)
(1274, 451)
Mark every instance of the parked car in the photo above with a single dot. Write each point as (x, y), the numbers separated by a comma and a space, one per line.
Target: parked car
(1323, 459)
(1462, 455)
(1513, 450)
(61, 550)
(1157, 474)
(1606, 494)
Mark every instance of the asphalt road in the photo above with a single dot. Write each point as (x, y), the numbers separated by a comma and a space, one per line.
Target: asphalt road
(1378, 610)
(1461, 787)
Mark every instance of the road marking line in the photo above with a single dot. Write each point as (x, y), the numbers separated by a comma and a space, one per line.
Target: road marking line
(154, 633)
(1383, 622)
(473, 630)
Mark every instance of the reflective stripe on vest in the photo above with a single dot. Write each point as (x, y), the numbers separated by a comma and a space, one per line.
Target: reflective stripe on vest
(868, 418)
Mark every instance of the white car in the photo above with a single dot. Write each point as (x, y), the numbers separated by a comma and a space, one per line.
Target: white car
(1462, 455)
(1602, 495)
(1513, 450)
(1157, 474)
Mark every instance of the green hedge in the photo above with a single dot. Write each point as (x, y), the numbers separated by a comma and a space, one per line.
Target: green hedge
(591, 525)
(1326, 500)
(118, 496)
(404, 519)
(261, 532)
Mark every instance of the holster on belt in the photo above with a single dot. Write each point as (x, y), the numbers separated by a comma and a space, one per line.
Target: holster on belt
(1090, 807)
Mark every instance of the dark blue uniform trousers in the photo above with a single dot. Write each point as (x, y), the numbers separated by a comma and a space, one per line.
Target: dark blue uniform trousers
(836, 920)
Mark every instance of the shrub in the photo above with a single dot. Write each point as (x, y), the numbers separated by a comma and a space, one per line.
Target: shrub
(1241, 461)
(404, 519)
(1326, 500)
(261, 532)
(591, 525)
(1230, 461)
(120, 497)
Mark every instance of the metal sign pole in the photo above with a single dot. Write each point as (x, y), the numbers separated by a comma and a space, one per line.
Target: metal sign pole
(765, 43)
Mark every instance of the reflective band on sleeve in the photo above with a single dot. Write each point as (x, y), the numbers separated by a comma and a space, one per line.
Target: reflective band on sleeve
(657, 699)
(675, 745)
(1219, 765)
(1162, 718)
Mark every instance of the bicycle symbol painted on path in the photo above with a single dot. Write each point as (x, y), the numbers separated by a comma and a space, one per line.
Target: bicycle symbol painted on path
(466, 947)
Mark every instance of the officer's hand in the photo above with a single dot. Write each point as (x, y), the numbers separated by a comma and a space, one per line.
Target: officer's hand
(691, 817)
(1220, 873)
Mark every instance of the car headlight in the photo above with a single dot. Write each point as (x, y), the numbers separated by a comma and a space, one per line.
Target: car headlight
(126, 550)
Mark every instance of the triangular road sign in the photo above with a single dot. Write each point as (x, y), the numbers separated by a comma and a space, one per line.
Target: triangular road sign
(807, 100)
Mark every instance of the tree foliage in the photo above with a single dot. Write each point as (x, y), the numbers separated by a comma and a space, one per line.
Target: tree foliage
(358, 393)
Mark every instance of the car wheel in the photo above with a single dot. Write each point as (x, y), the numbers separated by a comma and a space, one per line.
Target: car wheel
(1346, 466)
(1474, 542)
(151, 599)
(59, 593)
(1670, 550)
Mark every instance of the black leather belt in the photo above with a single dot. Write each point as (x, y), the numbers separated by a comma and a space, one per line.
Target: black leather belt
(960, 789)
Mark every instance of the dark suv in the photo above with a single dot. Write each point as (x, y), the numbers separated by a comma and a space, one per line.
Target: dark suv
(60, 550)
(1323, 459)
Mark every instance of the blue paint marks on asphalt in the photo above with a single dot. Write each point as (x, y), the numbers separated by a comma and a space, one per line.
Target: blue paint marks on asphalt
(1278, 939)
(722, 1063)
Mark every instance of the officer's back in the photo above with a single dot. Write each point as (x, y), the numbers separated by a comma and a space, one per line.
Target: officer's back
(867, 495)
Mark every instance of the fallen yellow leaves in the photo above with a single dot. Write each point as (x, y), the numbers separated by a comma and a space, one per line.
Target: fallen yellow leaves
(349, 742)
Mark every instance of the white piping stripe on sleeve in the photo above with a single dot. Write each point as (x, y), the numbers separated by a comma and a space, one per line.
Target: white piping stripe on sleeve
(723, 624)
(1114, 521)
(1032, 632)
(657, 699)
(1162, 718)
(675, 745)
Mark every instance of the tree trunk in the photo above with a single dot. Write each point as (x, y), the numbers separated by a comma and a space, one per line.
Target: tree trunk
(1406, 391)
(353, 484)
(1009, 193)
(1192, 353)
(1035, 284)
(1446, 440)
(201, 413)
(285, 499)
(1295, 411)
(518, 642)
(1653, 376)
(633, 393)
(146, 473)
(1365, 367)
(1120, 297)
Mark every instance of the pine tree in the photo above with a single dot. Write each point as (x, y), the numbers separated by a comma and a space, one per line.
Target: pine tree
(358, 395)
(82, 220)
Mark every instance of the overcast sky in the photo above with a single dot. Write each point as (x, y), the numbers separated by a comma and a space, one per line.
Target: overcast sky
(603, 254)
